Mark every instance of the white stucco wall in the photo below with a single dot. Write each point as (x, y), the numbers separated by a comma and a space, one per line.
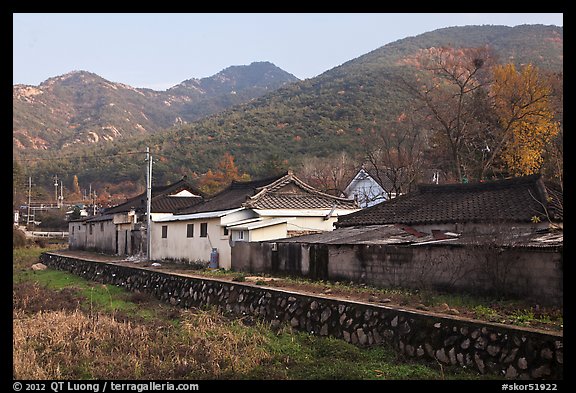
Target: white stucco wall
(311, 224)
(367, 192)
(179, 247)
(268, 233)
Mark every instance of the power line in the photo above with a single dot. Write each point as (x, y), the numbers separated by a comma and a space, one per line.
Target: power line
(80, 156)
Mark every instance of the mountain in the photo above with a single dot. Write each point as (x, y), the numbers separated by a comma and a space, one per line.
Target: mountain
(83, 108)
(335, 110)
(317, 117)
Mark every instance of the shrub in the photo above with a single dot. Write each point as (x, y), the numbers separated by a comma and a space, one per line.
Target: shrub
(18, 238)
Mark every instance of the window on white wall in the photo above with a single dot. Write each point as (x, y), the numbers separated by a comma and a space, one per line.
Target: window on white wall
(203, 229)
(164, 231)
(190, 230)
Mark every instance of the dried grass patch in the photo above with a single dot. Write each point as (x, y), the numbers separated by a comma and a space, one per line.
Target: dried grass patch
(75, 345)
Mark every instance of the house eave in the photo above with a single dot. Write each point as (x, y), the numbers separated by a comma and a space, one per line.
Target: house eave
(197, 216)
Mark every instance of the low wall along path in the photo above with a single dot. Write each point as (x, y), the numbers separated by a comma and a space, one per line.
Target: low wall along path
(510, 352)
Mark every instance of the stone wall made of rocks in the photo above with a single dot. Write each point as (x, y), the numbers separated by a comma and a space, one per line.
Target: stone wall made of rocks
(510, 352)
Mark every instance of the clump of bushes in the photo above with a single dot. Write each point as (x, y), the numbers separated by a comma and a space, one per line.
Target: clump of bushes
(18, 238)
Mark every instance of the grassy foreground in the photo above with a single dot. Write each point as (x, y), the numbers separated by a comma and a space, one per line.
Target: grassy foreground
(68, 328)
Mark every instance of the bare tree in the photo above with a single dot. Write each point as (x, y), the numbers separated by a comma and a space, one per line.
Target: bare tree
(446, 85)
(331, 174)
(394, 154)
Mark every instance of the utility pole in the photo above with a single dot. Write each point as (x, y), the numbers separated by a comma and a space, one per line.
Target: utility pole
(149, 205)
(61, 200)
(56, 191)
(94, 203)
(29, 192)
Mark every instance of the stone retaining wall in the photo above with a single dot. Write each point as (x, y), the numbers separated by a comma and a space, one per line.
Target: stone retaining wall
(513, 353)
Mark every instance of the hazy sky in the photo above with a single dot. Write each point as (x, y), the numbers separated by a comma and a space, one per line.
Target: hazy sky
(160, 50)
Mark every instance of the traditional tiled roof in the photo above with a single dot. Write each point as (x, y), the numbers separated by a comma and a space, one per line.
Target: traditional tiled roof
(289, 192)
(163, 200)
(510, 200)
(280, 192)
(231, 197)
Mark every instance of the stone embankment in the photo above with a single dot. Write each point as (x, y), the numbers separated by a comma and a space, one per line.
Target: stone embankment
(510, 352)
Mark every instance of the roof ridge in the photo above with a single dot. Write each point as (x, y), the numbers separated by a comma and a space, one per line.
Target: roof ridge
(479, 185)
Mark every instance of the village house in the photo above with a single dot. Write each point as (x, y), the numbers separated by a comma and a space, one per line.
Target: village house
(501, 237)
(121, 229)
(272, 208)
(367, 190)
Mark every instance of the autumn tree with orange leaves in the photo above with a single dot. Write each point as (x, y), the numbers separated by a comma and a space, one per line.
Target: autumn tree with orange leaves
(522, 99)
(227, 171)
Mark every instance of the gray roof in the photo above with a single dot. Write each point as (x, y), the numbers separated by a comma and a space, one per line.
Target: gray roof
(162, 199)
(405, 235)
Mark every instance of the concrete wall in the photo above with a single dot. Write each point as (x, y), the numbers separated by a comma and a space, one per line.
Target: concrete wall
(529, 273)
(77, 235)
(505, 351)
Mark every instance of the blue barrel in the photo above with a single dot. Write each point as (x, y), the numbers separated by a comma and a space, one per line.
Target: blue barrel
(214, 259)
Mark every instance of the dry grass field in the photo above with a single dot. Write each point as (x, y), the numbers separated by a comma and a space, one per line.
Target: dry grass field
(68, 328)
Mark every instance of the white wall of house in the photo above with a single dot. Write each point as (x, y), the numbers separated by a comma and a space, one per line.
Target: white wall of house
(365, 190)
(278, 231)
(306, 220)
(311, 224)
(177, 245)
(259, 230)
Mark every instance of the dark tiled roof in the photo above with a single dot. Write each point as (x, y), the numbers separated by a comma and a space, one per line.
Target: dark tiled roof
(289, 192)
(510, 200)
(280, 192)
(230, 198)
(171, 204)
(162, 202)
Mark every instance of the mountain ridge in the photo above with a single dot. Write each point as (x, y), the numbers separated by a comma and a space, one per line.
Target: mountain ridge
(82, 107)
